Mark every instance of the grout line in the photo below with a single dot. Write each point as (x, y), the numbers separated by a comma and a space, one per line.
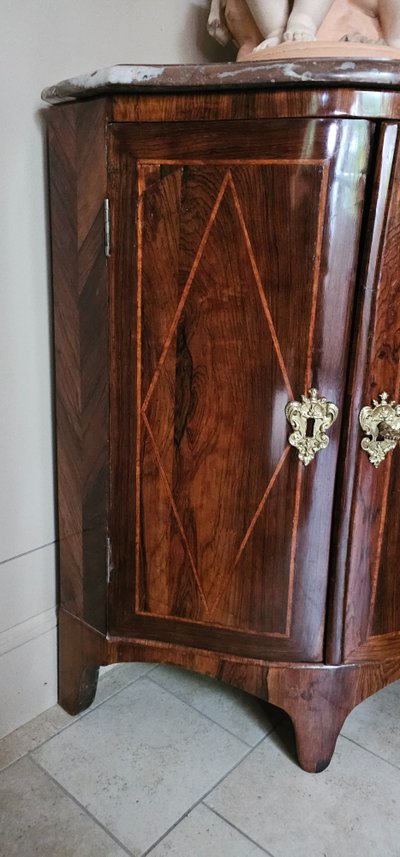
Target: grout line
(75, 719)
(200, 799)
(371, 752)
(95, 705)
(238, 830)
(26, 553)
(203, 797)
(207, 716)
(198, 711)
(83, 808)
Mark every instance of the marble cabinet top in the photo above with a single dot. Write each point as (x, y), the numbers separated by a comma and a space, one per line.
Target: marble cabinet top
(377, 72)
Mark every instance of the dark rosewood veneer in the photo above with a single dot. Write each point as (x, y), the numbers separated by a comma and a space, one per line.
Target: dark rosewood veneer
(254, 254)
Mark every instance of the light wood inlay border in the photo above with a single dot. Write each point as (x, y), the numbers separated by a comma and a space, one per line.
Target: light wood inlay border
(139, 378)
(293, 548)
(261, 292)
(185, 292)
(142, 407)
(176, 513)
(381, 532)
(317, 272)
(269, 488)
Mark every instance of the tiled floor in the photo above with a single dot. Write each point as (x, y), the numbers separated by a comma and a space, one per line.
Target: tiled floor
(170, 764)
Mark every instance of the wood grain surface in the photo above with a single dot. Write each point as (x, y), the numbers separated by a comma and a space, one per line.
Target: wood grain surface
(369, 563)
(77, 190)
(237, 256)
(287, 103)
(255, 251)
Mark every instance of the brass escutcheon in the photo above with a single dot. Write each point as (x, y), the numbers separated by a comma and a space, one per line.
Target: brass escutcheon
(310, 419)
(382, 423)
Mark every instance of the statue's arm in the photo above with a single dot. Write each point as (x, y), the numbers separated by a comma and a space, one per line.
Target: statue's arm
(216, 24)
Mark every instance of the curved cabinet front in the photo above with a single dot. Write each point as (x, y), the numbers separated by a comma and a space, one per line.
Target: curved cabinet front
(217, 508)
(232, 289)
(368, 552)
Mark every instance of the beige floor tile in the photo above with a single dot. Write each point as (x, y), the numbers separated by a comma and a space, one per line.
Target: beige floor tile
(246, 717)
(38, 818)
(140, 761)
(117, 678)
(375, 724)
(34, 733)
(46, 725)
(204, 834)
(350, 810)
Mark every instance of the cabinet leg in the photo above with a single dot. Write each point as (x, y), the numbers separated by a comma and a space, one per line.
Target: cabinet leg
(315, 741)
(77, 688)
(317, 702)
(78, 666)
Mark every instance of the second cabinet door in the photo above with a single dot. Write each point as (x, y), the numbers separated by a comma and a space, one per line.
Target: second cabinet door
(234, 257)
(367, 591)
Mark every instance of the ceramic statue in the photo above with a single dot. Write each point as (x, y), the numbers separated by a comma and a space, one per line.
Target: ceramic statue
(257, 25)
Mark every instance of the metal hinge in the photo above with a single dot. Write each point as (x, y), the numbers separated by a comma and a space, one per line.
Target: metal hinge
(107, 228)
(109, 562)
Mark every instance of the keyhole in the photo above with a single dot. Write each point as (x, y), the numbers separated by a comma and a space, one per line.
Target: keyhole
(310, 427)
(381, 435)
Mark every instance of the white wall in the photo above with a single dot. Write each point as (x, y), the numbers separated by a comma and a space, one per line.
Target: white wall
(43, 41)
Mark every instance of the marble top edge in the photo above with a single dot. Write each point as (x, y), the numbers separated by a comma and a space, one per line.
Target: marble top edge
(369, 72)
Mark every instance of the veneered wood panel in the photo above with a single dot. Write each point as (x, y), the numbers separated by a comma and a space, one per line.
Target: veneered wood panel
(154, 266)
(239, 267)
(78, 176)
(371, 564)
(287, 103)
(216, 435)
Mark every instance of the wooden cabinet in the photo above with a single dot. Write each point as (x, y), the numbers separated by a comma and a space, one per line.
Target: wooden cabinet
(234, 238)
(252, 255)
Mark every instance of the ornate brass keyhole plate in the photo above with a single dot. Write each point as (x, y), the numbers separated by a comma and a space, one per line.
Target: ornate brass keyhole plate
(382, 425)
(310, 419)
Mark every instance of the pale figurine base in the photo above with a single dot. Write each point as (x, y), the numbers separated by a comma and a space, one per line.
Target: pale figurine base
(325, 50)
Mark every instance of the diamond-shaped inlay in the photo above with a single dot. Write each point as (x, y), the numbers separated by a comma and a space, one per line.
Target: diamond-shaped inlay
(209, 370)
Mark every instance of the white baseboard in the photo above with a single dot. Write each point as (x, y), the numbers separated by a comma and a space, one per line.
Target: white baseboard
(27, 586)
(27, 631)
(28, 671)
(28, 639)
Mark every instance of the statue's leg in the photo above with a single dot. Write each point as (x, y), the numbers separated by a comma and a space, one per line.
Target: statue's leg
(271, 18)
(306, 19)
(389, 16)
(242, 26)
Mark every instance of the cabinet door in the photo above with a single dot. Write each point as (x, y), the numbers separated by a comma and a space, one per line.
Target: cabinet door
(368, 562)
(234, 251)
